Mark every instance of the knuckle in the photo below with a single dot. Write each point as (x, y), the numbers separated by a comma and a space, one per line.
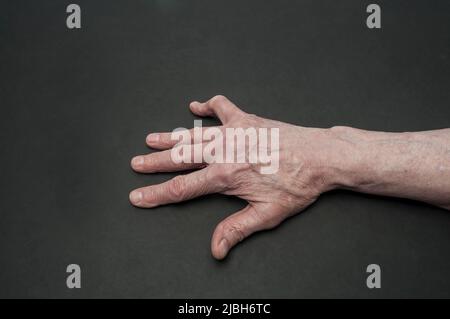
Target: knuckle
(177, 187)
(217, 100)
(149, 197)
(224, 173)
(234, 230)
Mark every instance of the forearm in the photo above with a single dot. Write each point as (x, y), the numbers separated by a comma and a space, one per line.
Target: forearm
(409, 165)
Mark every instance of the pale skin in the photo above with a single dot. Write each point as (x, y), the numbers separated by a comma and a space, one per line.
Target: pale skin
(312, 161)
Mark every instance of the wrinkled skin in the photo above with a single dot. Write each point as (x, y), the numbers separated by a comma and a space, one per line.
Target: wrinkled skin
(271, 198)
(311, 161)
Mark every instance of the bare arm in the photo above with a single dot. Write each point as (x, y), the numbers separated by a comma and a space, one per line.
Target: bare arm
(306, 163)
(410, 165)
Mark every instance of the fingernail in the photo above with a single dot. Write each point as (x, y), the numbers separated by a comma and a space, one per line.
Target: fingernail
(153, 138)
(137, 161)
(135, 197)
(223, 247)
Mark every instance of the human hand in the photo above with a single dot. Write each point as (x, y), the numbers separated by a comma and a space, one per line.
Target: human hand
(305, 171)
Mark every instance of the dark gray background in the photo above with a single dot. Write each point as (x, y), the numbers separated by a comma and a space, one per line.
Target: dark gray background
(76, 105)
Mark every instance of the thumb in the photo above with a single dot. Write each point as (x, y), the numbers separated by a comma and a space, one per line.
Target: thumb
(239, 226)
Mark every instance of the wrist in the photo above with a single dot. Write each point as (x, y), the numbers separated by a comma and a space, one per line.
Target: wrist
(347, 158)
(330, 155)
